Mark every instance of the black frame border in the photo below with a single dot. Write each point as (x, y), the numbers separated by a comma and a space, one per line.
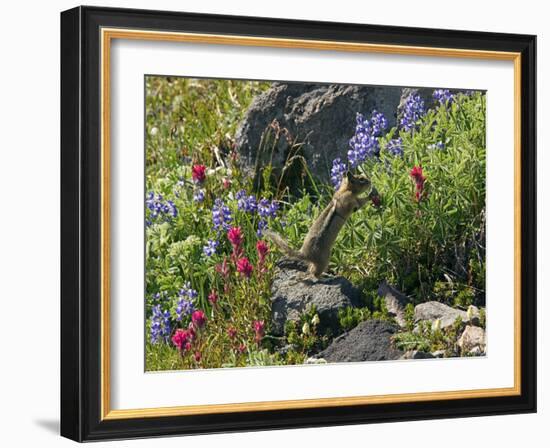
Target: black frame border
(81, 223)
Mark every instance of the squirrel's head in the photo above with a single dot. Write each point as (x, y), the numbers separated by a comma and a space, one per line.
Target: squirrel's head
(356, 184)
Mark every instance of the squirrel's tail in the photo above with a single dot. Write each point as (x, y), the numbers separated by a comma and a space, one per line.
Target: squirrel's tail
(283, 246)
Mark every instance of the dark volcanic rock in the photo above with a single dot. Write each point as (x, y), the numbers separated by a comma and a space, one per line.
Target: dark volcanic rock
(369, 341)
(322, 116)
(293, 293)
(417, 354)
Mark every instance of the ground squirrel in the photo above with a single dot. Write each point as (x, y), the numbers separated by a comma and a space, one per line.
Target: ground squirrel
(317, 246)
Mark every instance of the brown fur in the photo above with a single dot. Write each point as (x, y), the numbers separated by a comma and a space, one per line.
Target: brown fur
(318, 243)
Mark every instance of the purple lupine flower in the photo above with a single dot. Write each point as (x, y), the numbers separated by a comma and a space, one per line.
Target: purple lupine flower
(158, 209)
(221, 215)
(444, 96)
(186, 301)
(262, 225)
(184, 307)
(160, 326)
(160, 296)
(337, 172)
(210, 248)
(170, 209)
(246, 203)
(267, 208)
(378, 123)
(412, 111)
(186, 290)
(198, 196)
(395, 146)
(364, 143)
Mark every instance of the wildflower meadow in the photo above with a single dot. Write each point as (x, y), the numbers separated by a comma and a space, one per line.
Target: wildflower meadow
(210, 268)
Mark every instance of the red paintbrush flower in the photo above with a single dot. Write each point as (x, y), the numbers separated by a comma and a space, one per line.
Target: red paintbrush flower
(259, 327)
(263, 249)
(419, 179)
(199, 318)
(198, 173)
(235, 237)
(180, 338)
(417, 175)
(259, 330)
(244, 267)
(213, 297)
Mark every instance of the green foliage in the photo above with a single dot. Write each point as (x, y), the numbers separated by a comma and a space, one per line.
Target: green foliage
(262, 358)
(428, 338)
(351, 317)
(304, 336)
(191, 119)
(454, 294)
(409, 317)
(415, 243)
(482, 318)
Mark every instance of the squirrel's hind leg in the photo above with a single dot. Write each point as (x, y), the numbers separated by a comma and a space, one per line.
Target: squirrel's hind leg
(315, 270)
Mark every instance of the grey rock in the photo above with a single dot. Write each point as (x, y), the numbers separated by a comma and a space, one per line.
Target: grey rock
(321, 116)
(477, 351)
(285, 349)
(313, 360)
(475, 319)
(292, 293)
(369, 341)
(417, 354)
(395, 302)
(433, 311)
(472, 339)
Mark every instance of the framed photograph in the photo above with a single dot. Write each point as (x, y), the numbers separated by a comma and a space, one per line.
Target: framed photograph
(276, 224)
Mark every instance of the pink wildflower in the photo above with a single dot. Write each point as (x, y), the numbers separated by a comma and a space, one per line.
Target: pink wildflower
(244, 267)
(198, 173)
(235, 236)
(180, 338)
(419, 179)
(213, 297)
(263, 249)
(199, 318)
